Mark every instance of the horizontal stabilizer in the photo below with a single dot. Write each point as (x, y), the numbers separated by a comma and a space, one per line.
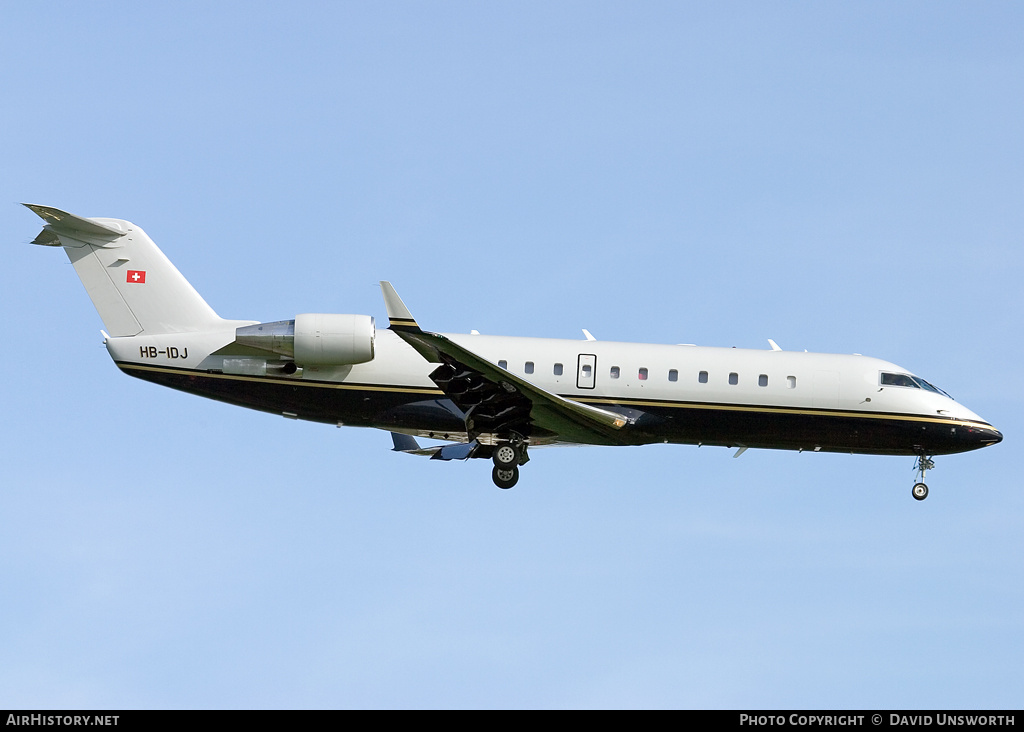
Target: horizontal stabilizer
(63, 221)
(46, 238)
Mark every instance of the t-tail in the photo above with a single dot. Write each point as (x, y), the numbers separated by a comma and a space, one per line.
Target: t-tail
(135, 288)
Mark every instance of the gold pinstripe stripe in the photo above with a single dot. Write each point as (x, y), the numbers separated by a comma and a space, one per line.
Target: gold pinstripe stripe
(281, 381)
(795, 410)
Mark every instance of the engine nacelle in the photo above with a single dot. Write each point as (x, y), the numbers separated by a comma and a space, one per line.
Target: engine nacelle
(328, 339)
(313, 339)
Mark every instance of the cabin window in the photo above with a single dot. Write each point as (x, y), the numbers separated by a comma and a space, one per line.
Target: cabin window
(734, 379)
(614, 373)
(642, 374)
(673, 375)
(503, 365)
(558, 369)
(791, 382)
(529, 367)
(587, 371)
(762, 380)
(702, 377)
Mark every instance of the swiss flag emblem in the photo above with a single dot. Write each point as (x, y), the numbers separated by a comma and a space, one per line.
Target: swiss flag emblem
(137, 276)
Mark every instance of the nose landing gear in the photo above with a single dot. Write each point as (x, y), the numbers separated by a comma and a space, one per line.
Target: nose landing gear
(922, 465)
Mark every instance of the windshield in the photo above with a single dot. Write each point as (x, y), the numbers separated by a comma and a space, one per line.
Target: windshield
(914, 382)
(930, 387)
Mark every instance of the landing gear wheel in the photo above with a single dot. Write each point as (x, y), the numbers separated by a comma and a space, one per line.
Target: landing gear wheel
(505, 478)
(505, 456)
(920, 491)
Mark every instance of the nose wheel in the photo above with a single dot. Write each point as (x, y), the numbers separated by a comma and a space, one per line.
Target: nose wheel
(922, 466)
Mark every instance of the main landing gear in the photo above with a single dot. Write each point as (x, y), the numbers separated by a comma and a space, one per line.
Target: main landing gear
(505, 477)
(507, 458)
(923, 465)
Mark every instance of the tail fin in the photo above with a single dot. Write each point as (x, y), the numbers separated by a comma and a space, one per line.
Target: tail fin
(134, 287)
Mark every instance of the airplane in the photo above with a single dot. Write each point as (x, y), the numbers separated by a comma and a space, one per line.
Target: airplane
(496, 397)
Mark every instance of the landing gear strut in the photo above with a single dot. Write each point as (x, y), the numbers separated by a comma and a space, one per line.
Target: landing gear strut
(923, 465)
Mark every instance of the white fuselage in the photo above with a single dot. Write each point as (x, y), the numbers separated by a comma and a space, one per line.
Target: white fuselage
(634, 378)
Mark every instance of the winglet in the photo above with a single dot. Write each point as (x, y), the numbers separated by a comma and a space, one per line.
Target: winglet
(404, 443)
(398, 314)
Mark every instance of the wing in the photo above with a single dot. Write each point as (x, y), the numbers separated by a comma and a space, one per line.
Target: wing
(495, 401)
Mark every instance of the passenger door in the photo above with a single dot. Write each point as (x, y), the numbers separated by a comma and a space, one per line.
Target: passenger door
(586, 371)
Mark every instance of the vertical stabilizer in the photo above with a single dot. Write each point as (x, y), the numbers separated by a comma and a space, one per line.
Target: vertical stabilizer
(135, 288)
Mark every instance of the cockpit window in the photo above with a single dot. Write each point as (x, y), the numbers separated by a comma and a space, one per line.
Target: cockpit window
(930, 387)
(914, 382)
(899, 380)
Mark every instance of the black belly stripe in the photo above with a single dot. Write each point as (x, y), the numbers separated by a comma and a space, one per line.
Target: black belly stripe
(427, 409)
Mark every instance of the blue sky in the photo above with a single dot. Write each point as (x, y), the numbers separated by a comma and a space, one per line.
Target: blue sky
(840, 178)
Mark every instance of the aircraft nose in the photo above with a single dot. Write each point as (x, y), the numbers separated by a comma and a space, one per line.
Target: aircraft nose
(984, 436)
